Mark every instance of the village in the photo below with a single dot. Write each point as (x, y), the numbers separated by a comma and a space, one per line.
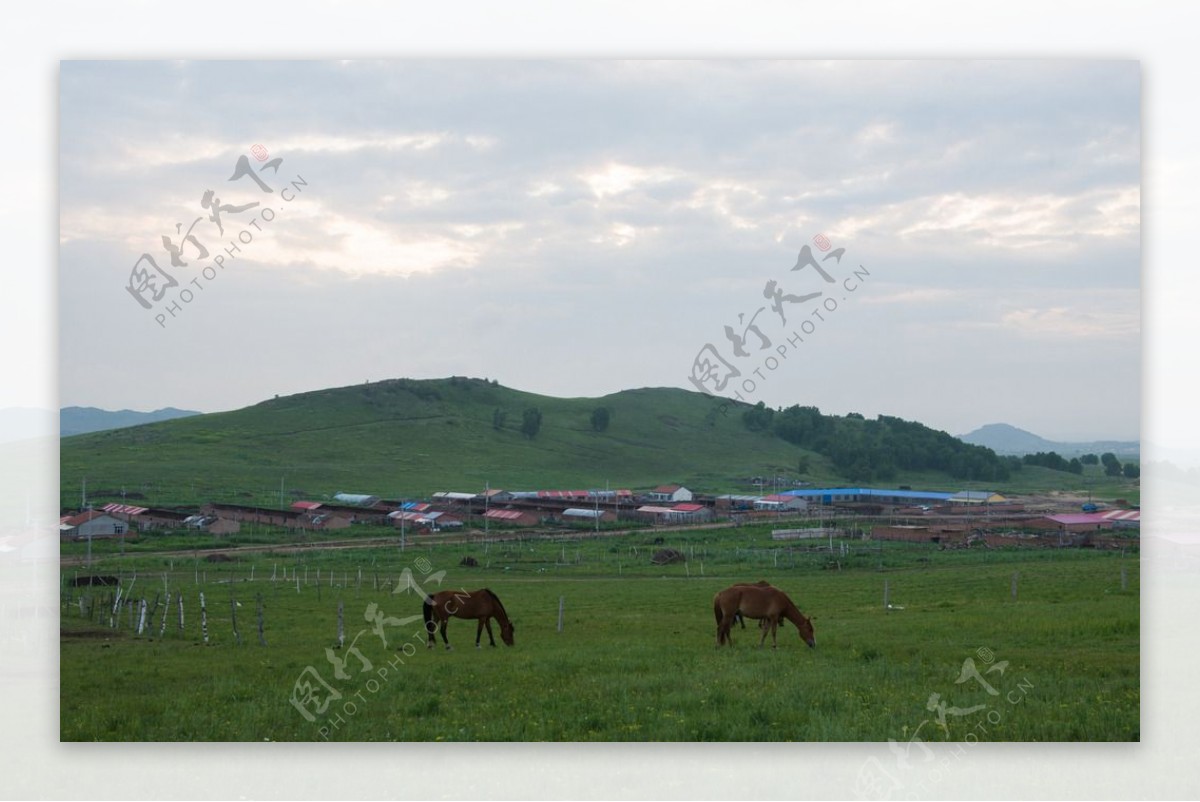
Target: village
(944, 518)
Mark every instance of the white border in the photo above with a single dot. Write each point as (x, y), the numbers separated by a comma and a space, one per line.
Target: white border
(36, 766)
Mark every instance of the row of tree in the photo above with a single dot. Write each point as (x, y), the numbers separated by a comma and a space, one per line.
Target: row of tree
(1112, 465)
(876, 450)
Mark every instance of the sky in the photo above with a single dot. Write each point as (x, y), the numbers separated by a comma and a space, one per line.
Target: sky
(579, 227)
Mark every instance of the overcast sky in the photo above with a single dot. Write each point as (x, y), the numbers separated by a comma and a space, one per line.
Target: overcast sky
(575, 228)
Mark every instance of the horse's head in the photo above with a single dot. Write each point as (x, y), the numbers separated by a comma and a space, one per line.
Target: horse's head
(806, 632)
(506, 633)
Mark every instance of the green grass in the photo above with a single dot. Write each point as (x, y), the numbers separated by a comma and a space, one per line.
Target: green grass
(636, 658)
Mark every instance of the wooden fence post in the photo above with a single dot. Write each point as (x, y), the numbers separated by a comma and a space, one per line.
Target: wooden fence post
(262, 639)
(341, 632)
(233, 618)
(561, 600)
(203, 618)
(162, 632)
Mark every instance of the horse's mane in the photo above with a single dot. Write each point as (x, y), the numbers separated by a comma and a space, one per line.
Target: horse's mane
(496, 599)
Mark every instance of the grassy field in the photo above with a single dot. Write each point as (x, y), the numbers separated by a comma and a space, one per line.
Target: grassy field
(635, 658)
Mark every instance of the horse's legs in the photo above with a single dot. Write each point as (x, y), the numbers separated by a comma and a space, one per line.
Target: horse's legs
(442, 628)
(478, 632)
(766, 626)
(487, 622)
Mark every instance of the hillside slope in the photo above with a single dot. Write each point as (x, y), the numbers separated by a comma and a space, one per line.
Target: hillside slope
(411, 438)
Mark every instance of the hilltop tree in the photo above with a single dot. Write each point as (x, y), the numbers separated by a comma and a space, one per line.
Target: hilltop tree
(1112, 465)
(531, 422)
(1090, 459)
(758, 417)
(600, 418)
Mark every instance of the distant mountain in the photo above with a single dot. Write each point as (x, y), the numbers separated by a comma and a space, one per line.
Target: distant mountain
(81, 420)
(1005, 439)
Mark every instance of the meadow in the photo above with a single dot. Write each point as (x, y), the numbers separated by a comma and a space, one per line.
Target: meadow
(958, 657)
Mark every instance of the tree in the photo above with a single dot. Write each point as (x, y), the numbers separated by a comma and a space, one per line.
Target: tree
(1131, 470)
(600, 418)
(1075, 466)
(758, 417)
(1090, 459)
(498, 417)
(531, 422)
(803, 466)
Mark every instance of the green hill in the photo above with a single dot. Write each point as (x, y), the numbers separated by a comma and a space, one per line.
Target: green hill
(408, 438)
(411, 438)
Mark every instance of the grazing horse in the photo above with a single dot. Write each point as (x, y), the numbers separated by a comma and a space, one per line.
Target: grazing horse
(755, 601)
(482, 605)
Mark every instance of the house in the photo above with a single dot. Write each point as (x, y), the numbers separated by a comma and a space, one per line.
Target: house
(781, 503)
(92, 523)
(976, 497)
(291, 518)
(1072, 522)
(676, 514)
(674, 493)
(512, 517)
(733, 502)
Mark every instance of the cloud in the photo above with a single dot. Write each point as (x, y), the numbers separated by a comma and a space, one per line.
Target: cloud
(1061, 223)
(1060, 322)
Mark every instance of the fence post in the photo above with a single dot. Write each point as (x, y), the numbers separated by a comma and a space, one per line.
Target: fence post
(262, 639)
(203, 618)
(181, 613)
(162, 631)
(233, 618)
(341, 633)
(141, 625)
(886, 605)
(561, 599)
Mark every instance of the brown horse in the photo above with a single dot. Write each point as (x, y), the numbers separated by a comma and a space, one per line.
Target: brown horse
(755, 601)
(483, 605)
